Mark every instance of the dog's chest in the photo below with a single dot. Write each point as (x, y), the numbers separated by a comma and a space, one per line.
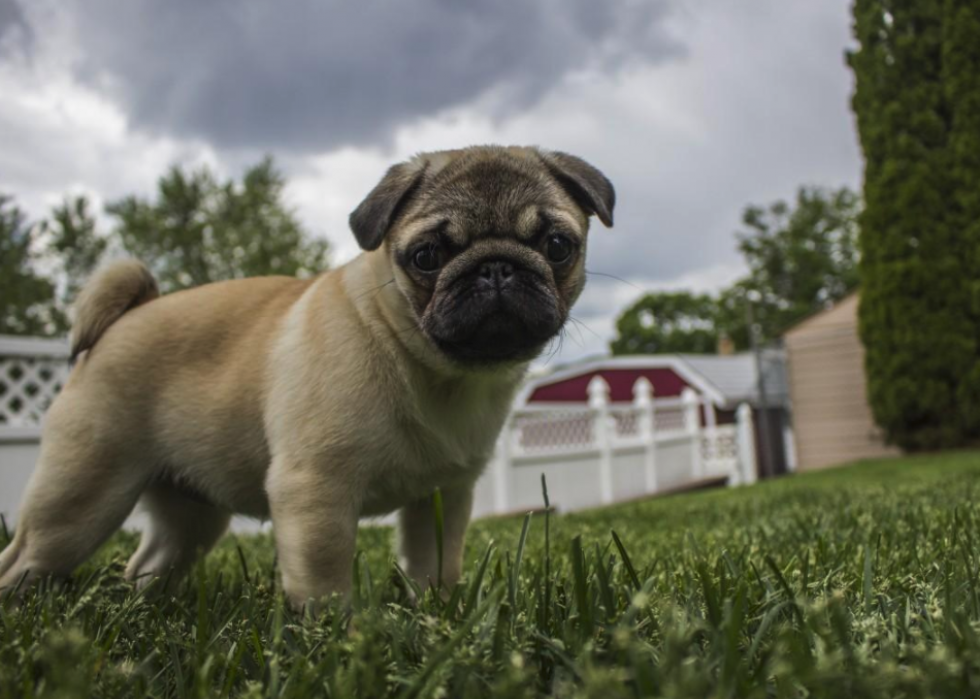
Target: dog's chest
(435, 443)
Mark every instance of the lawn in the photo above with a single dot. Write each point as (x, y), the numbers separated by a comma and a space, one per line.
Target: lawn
(855, 582)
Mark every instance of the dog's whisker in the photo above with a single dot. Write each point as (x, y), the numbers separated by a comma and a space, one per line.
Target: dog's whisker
(613, 276)
(376, 290)
(580, 324)
(555, 345)
(580, 341)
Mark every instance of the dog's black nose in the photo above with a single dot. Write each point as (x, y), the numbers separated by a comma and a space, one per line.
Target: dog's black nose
(497, 272)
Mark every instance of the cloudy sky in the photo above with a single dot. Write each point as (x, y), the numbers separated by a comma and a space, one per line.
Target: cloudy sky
(693, 108)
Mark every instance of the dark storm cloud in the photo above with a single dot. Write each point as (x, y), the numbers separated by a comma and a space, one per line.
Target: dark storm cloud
(14, 28)
(315, 74)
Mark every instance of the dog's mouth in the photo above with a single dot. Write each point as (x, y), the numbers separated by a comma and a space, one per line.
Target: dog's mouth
(484, 318)
(500, 338)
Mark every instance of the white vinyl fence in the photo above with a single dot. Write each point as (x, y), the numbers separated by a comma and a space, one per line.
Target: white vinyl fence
(591, 454)
(32, 372)
(609, 452)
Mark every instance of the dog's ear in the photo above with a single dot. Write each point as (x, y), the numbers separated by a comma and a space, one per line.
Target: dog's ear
(374, 216)
(590, 189)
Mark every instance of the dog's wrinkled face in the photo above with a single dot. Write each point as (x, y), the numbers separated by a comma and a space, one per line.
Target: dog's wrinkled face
(488, 244)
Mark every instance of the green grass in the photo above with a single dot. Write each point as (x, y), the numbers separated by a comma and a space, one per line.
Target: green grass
(856, 582)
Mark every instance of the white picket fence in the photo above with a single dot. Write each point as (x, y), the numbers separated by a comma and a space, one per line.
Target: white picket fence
(591, 455)
(605, 452)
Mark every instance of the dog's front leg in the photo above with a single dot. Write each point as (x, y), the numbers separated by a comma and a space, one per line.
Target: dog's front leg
(417, 537)
(314, 520)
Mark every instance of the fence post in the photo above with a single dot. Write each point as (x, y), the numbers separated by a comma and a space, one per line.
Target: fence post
(709, 456)
(643, 400)
(501, 468)
(599, 403)
(746, 445)
(710, 415)
(692, 422)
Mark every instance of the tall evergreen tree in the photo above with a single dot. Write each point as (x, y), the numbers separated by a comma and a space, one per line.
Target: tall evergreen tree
(961, 65)
(915, 254)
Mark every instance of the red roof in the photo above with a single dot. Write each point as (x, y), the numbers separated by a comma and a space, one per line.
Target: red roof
(666, 383)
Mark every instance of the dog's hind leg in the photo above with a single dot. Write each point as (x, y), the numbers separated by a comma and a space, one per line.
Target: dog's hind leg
(81, 491)
(181, 527)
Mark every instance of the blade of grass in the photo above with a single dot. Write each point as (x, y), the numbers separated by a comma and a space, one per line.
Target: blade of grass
(244, 564)
(867, 579)
(476, 584)
(411, 586)
(439, 523)
(547, 554)
(515, 572)
(630, 570)
(605, 588)
(581, 588)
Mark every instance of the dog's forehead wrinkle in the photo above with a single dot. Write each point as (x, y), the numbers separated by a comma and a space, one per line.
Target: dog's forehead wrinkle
(494, 180)
(489, 198)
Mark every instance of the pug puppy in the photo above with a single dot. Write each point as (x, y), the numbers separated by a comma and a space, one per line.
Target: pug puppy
(316, 402)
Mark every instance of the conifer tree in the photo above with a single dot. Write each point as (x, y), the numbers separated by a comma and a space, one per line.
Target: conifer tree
(916, 266)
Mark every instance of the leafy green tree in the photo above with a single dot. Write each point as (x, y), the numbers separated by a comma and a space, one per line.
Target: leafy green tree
(915, 100)
(200, 230)
(731, 314)
(26, 297)
(667, 322)
(74, 245)
(802, 258)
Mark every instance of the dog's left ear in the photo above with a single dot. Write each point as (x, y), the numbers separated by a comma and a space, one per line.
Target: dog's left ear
(590, 189)
(374, 216)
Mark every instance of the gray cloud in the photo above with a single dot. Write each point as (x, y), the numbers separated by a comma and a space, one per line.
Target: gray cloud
(688, 143)
(315, 74)
(14, 28)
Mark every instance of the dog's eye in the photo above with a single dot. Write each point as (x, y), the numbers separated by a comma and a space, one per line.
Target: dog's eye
(559, 248)
(427, 259)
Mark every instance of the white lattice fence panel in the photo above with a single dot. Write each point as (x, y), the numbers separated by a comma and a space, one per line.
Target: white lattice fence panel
(627, 422)
(27, 387)
(669, 418)
(552, 430)
(720, 444)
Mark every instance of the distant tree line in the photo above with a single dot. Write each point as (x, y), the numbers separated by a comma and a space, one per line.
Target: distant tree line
(801, 259)
(196, 229)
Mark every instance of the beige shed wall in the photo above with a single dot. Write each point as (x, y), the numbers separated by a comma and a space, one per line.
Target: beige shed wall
(832, 422)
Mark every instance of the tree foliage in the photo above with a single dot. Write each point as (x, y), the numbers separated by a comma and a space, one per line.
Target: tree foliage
(801, 258)
(196, 230)
(667, 322)
(961, 60)
(25, 295)
(916, 102)
(200, 230)
(74, 247)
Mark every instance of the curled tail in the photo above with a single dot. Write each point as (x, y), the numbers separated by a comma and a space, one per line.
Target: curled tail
(117, 288)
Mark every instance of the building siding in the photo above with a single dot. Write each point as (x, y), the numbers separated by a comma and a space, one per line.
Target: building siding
(831, 418)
